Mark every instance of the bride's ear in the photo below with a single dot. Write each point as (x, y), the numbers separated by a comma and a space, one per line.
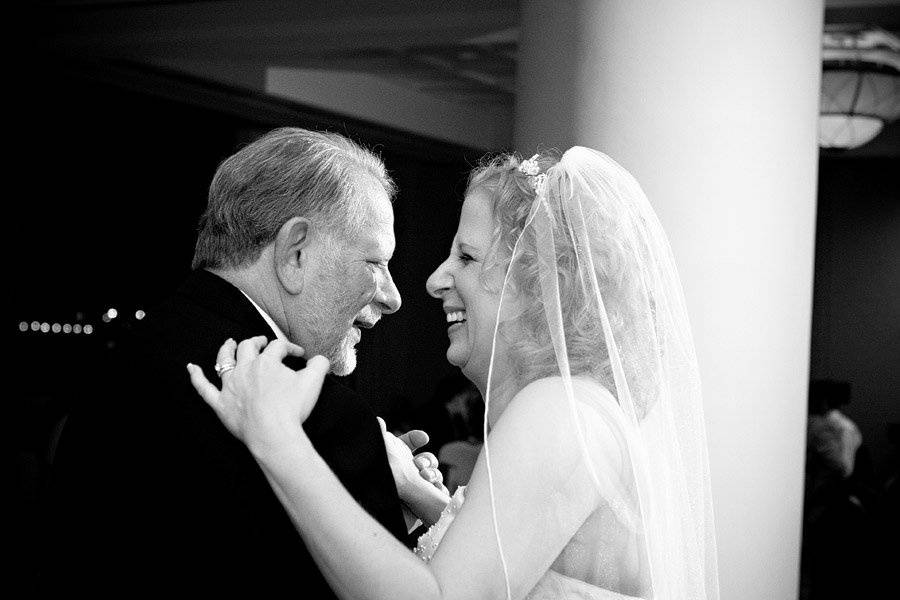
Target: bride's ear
(292, 254)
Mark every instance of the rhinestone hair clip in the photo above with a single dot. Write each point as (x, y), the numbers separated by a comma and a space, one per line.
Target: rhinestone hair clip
(531, 168)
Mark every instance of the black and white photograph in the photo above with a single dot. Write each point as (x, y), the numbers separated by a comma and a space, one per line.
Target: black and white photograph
(458, 300)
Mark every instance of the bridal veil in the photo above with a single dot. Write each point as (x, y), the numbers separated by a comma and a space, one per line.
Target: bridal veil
(591, 302)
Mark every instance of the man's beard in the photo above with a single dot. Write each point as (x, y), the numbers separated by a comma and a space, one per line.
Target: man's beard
(342, 356)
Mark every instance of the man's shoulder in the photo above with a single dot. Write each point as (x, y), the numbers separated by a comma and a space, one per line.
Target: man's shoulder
(205, 301)
(142, 374)
(191, 323)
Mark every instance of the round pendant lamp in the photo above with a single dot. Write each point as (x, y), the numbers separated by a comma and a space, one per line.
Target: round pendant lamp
(860, 84)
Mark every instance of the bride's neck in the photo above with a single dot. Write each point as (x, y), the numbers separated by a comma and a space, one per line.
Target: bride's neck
(501, 394)
(503, 387)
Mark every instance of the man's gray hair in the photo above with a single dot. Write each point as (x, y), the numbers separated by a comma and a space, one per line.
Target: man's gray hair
(286, 173)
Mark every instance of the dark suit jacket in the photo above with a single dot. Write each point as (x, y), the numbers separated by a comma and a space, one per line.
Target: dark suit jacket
(151, 492)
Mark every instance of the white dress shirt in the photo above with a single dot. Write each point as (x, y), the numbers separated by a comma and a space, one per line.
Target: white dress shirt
(278, 333)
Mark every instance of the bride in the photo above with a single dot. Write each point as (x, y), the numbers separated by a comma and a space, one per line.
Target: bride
(564, 307)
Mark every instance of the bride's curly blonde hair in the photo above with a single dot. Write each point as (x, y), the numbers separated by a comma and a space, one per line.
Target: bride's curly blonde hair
(527, 335)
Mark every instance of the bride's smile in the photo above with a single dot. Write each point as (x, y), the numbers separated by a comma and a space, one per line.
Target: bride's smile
(455, 317)
(469, 307)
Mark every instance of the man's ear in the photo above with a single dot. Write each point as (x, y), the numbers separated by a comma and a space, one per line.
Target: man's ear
(292, 243)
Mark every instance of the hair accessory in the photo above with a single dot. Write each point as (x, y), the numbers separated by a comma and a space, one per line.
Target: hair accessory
(531, 168)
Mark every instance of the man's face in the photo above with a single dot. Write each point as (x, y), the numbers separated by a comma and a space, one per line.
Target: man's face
(350, 287)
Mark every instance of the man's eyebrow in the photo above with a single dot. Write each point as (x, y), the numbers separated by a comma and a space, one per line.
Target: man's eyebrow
(468, 247)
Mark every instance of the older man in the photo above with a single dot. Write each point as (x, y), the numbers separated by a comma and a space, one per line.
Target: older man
(153, 493)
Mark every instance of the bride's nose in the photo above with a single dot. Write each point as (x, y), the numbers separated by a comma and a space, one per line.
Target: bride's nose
(440, 281)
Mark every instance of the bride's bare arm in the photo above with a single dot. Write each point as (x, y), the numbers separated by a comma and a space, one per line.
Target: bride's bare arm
(542, 492)
(358, 556)
(534, 465)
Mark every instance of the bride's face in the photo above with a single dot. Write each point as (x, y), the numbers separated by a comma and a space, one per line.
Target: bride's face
(469, 308)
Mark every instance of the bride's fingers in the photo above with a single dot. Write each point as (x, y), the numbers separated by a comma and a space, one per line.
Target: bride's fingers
(279, 349)
(207, 391)
(312, 376)
(249, 349)
(225, 355)
(318, 364)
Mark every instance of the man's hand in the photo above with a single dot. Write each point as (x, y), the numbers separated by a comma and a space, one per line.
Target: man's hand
(427, 462)
(406, 467)
(420, 484)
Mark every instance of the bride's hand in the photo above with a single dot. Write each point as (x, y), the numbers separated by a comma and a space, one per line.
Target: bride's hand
(262, 402)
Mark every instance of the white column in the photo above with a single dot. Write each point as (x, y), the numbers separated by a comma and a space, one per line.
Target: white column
(712, 106)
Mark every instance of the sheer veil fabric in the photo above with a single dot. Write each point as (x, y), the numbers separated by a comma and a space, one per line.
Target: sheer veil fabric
(592, 315)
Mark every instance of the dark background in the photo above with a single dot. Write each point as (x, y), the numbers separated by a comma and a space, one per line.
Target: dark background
(120, 179)
(112, 173)
(856, 293)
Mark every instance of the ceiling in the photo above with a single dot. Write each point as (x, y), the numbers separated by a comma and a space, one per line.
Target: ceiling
(462, 51)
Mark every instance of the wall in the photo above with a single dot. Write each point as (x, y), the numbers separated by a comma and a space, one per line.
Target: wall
(856, 306)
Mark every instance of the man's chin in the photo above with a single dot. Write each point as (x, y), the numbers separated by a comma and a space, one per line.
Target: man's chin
(344, 362)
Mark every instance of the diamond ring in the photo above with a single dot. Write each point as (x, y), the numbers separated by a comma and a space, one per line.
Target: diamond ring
(223, 368)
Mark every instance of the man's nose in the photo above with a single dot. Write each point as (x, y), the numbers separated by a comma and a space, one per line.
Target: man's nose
(439, 281)
(388, 296)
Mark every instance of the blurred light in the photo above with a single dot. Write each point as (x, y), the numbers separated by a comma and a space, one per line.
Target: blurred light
(67, 328)
(79, 316)
(23, 326)
(35, 325)
(45, 327)
(88, 329)
(105, 318)
(140, 315)
(112, 313)
(76, 328)
(56, 328)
